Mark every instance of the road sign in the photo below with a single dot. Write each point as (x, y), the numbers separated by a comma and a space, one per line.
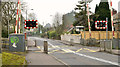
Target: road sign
(101, 24)
(31, 24)
(79, 28)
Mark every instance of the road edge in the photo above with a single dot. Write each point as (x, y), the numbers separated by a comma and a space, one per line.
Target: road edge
(60, 60)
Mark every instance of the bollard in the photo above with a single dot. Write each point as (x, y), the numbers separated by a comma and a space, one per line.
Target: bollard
(45, 47)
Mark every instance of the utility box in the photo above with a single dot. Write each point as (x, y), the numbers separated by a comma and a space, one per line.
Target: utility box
(17, 42)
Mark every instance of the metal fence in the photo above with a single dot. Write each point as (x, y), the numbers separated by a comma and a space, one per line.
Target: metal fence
(109, 45)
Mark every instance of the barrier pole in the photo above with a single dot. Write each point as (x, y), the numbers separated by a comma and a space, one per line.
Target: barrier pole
(17, 17)
(88, 21)
(112, 18)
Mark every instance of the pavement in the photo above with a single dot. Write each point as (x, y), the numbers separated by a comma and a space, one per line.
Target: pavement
(70, 55)
(36, 56)
(40, 58)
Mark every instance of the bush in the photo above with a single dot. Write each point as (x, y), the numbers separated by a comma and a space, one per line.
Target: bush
(52, 34)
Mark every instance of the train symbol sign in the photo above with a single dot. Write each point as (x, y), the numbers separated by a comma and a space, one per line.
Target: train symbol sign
(14, 41)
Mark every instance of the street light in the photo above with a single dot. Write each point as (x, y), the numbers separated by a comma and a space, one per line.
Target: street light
(26, 18)
(26, 13)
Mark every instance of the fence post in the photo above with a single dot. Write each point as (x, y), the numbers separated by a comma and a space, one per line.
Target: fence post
(45, 47)
(111, 46)
(99, 35)
(84, 37)
(104, 46)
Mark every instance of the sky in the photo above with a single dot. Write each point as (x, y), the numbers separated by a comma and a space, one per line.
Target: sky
(46, 9)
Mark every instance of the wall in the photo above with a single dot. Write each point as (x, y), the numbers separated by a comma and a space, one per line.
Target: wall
(71, 37)
(98, 35)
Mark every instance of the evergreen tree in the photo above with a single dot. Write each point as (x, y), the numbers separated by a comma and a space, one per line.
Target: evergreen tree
(80, 14)
(101, 12)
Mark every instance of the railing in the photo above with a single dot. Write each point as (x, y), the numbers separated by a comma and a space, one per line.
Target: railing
(5, 42)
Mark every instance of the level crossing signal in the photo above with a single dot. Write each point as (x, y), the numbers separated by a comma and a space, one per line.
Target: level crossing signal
(31, 24)
(101, 24)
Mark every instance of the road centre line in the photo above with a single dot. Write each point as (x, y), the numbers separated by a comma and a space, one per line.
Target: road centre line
(87, 56)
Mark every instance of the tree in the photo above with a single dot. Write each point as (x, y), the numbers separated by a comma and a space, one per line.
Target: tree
(57, 25)
(32, 16)
(9, 10)
(101, 12)
(81, 14)
(57, 20)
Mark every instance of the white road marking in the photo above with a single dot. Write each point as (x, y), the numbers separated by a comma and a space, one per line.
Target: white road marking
(87, 56)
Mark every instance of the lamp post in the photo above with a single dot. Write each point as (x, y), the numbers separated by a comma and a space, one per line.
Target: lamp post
(23, 25)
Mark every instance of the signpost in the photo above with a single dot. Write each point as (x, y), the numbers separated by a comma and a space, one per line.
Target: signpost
(30, 24)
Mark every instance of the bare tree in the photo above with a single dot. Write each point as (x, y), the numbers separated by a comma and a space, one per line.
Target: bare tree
(57, 20)
(57, 25)
(9, 10)
(32, 16)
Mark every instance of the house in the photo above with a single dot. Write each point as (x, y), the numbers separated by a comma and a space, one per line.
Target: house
(68, 20)
(116, 20)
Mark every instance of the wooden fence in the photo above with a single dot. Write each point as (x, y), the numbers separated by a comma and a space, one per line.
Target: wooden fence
(99, 35)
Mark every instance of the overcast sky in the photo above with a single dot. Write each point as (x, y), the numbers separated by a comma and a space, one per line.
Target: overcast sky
(46, 9)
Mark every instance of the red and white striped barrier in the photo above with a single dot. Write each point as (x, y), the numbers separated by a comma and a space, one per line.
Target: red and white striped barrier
(17, 17)
(31, 27)
(112, 17)
(88, 20)
(96, 26)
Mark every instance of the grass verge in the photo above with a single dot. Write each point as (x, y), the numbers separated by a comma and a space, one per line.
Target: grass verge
(12, 59)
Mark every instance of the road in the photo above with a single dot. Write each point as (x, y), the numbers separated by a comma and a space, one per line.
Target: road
(77, 55)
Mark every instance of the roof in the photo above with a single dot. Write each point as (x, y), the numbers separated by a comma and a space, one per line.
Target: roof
(117, 16)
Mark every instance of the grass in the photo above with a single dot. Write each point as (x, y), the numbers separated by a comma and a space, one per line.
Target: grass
(12, 59)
